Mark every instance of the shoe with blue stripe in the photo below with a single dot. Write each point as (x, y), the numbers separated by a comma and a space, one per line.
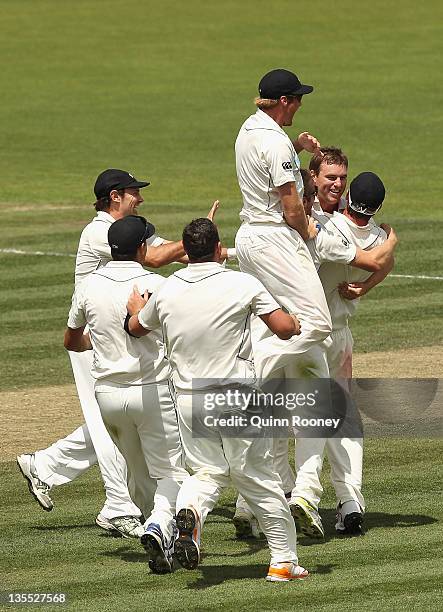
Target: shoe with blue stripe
(160, 552)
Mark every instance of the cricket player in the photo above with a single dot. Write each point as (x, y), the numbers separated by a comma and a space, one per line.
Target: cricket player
(330, 245)
(373, 250)
(270, 243)
(204, 313)
(132, 382)
(117, 195)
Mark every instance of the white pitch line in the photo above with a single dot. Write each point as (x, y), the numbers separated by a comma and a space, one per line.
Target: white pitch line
(48, 253)
(54, 254)
(421, 277)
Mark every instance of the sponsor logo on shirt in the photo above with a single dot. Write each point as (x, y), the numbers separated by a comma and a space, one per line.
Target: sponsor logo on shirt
(287, 165)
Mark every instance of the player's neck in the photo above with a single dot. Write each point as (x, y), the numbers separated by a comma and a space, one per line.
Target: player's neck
(115, 213)
(357, 220)
(276, 114)
(328, 207)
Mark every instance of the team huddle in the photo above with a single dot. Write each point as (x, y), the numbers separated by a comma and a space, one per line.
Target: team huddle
(146, 350)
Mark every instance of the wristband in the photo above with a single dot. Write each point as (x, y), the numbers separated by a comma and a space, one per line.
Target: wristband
(126, 326)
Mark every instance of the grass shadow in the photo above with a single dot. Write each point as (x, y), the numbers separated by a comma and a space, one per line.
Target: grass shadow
(213, 575)
(372, 520)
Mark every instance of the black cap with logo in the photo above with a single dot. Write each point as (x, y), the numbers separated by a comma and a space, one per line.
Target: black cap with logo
(281, 82)
(127, 234)
(366, 194)
(115, 179)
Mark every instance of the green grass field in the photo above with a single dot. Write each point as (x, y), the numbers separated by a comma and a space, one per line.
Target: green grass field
(396, 565)
(161, 89)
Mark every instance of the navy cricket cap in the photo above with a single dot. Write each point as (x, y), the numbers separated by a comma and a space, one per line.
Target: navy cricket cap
(281, 82)
(366, 194)
(115, 179)
(127, 234)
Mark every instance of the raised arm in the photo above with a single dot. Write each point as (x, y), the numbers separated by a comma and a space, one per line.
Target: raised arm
(169, 252)
(163, 254)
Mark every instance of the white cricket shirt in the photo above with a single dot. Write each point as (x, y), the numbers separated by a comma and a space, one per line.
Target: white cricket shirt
(93, 249)
(330, 245)
(265, 159)
(332, 274)
(100, 302)
(204, 311)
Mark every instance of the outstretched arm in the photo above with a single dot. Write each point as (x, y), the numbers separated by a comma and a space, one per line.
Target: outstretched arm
(169, 252)
(163, 254)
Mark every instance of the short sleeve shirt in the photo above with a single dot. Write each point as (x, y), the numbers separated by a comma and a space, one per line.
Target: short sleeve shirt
(100, 302)
(93, 250)
(265, 159)
(333, 273)
(204, 311)
(330, 244)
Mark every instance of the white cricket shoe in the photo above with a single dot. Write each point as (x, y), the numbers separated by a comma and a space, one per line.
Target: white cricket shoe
(128, 526)
(246, 525)
(349, 519)
(284, 572)
(306, 518)
(38, 489)
(104, 523)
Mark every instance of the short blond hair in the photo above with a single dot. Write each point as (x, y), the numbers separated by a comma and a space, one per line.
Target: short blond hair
(265, 103)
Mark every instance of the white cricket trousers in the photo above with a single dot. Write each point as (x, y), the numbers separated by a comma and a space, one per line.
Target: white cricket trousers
(310, 365)
(345, 455)
(217, 460)
(70, 457)
(280, 259)
(142, 421)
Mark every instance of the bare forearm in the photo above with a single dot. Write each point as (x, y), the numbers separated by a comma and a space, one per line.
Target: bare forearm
(75, 340)
(134, 328)
(352, 291)
(377, 277)
(297, 220)
(384, 253)
(282, 324)
(293, 210)
(164, 254)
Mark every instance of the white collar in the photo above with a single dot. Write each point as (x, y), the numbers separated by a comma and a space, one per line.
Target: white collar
(262, 120)
(198, 271)
(102, 215)
(124, 264)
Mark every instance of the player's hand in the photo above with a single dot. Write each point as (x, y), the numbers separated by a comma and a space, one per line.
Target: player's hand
(307, 142)
(352, 291)
(136, 301)
(312, 228)
(297, 324)
(390, 232)
(214, 208)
